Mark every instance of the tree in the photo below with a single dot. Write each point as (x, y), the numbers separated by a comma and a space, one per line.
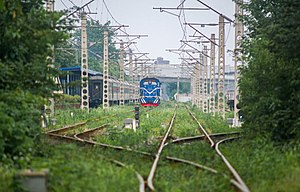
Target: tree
(27, 34)
(270, 80)
(95, 33)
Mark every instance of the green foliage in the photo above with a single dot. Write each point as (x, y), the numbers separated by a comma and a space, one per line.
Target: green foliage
(6, 179)
(270, 80)
(85, 170)
(184, 87)
(263, 166)
(19, 125)
(68, 55)
(67, 101)
(27, 35)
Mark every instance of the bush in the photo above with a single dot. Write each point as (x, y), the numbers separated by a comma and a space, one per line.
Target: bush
(19, 124)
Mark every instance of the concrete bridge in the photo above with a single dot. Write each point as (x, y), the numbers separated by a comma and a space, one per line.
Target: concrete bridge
(165, 79)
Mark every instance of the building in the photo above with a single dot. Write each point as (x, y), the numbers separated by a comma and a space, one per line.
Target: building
(160, 61)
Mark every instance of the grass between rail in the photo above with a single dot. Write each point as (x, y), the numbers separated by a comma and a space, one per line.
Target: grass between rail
(74, 167)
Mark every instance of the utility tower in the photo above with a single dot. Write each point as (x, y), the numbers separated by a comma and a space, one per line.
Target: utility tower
(142, 71)
(50, 5)
(122, 96)
(212, 75)
(201, 82)
(49, 109)
(135, 80)
(130, 75)
(105, 73)
(239, 32)
(84, 65)
(221, 68)
(205, 91)
(198, 84)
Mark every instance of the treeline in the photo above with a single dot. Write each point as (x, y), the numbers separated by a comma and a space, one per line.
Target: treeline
(27, 34)
(270, 81)
(31, 37)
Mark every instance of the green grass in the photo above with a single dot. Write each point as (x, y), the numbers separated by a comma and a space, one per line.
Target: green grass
(81, 168)
(265, 167)
(74, 168)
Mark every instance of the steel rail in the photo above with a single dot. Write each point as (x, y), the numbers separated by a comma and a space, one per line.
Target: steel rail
(138, 175)
(201, 128)
(157, 156)
(67, 128)
(77, 139)
(140, 178)
(80, 139)
(90, 132)
(192, 163)
(238, 178)
(201, 137)
(197, 165)
(238, 182)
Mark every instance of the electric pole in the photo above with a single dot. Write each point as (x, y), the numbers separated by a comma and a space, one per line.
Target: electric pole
(239, 31)
(105, 73)
(198, 83)
(49, 109)
(84, 65)
(131, 81)
(205, 104)
(201, 82)
(121, 73)
(50, 5)
(135, 79)
(212, 75)
(221, 69)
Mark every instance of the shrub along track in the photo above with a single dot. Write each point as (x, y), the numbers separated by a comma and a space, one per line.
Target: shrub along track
(83, 138)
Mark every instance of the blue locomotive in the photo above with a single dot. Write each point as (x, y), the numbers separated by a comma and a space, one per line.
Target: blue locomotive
(149, 92)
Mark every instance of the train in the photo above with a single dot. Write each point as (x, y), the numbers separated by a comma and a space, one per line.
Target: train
(71, 85)
(150, 92)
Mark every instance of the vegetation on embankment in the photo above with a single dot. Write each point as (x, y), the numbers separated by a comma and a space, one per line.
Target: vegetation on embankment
(270, 82)
(82, 168)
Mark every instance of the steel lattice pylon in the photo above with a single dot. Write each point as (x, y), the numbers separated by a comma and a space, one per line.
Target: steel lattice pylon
(130, 76)
(49, 108)
(221, 68)
(84, 65)
(105, 73)
(197, 84)
(212, 76)
(205, 103)
(239, 32)
(135, 79)
(200, 72)
(122, 73)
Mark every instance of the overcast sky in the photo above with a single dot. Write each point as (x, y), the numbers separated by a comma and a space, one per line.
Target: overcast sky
(164, 30)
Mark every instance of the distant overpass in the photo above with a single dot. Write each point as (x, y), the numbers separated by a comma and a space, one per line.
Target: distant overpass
(164, 79)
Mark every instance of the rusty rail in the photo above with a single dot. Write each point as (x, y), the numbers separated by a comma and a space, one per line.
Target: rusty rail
(243, 187)
(157, 156)
(201, 128)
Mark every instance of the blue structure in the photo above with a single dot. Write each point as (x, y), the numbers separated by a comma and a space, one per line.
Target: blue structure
(149, 92)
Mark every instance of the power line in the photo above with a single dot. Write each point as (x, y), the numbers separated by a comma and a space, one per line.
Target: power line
(64, 4)
(110, 12)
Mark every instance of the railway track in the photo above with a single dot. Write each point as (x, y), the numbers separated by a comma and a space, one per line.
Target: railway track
(240, 184)
(158, 154)
(84, 138)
